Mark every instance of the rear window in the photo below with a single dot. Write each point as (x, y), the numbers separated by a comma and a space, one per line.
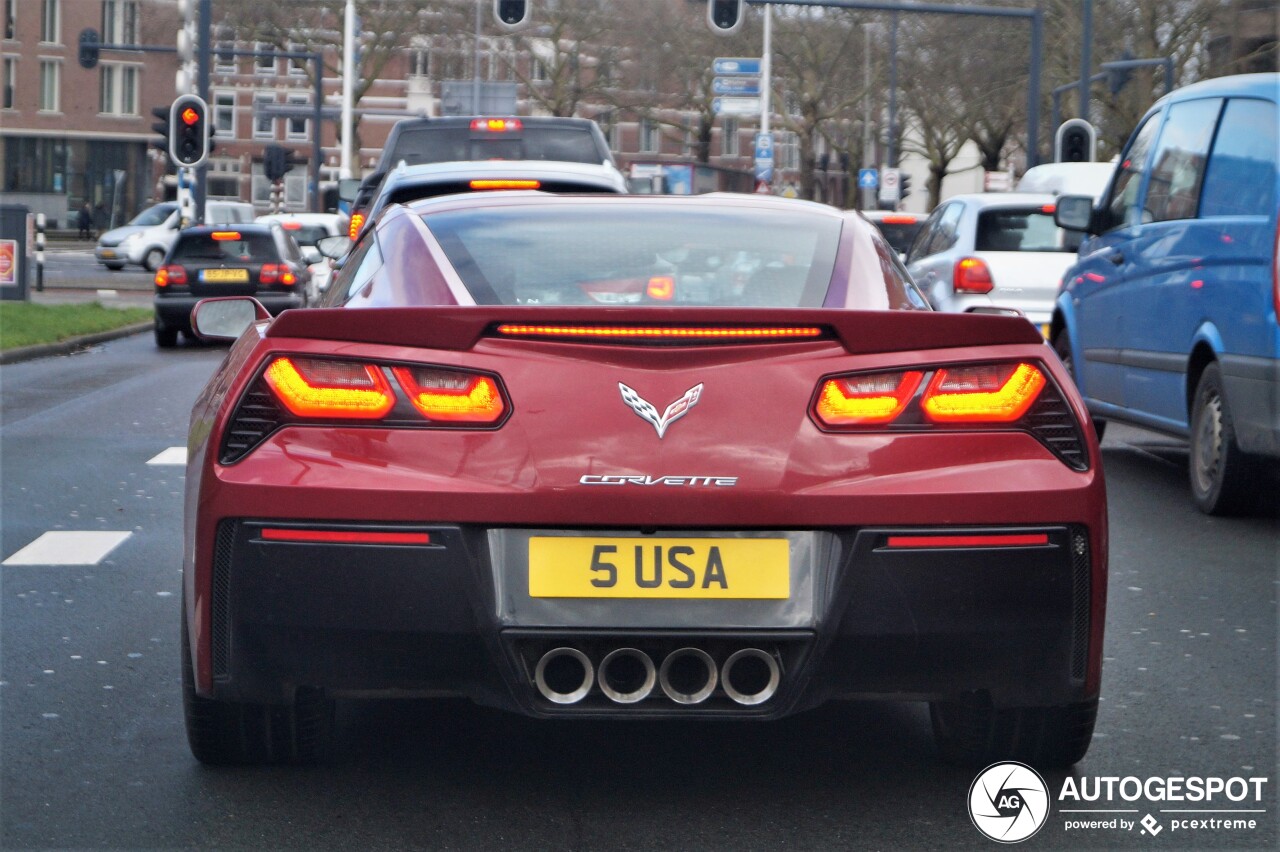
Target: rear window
(416, 192)
(307, 235)
(449, 144)
(246, 247)
(660, 256)
(899, 235)
(154, 215)
(1019, 229)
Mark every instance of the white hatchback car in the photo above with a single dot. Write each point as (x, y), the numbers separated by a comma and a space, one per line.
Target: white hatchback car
(993, 250)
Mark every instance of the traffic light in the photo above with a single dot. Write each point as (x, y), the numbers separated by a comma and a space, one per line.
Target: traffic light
(89, 42)
(161, 127)
(189, 131)
(724, 16)
(277, 161)
(1075, 142)
(904, 185)
(511, 14)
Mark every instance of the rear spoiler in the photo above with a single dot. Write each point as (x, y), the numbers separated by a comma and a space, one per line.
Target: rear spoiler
(460, 328)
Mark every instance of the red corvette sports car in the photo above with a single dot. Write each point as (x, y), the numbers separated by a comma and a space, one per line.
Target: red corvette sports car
(609, 456)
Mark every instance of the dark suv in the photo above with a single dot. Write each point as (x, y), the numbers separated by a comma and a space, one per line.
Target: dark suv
(262, 261)
(418, 141)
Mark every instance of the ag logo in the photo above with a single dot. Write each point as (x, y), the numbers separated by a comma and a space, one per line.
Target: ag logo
(1008, 802)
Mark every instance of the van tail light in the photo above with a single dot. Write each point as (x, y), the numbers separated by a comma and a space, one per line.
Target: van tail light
(972, 276)
(867, 399)
(988, 393)
(277, 273)
(451, 395)
(354, 226)
(169, 275)
(316, 387)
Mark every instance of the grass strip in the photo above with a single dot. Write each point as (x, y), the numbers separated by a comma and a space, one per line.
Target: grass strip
(27, 324)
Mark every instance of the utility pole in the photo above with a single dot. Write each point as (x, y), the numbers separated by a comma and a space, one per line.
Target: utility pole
(348, 87)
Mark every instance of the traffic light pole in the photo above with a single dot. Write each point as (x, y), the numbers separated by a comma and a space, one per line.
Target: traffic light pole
(204, 27)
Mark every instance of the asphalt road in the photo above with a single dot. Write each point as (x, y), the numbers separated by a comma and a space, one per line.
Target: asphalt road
(93, 753)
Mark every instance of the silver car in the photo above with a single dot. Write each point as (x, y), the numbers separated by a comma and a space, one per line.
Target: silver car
(994, 250)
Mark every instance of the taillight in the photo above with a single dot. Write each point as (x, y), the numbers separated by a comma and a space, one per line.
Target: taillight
(492, 184)
(989, 393)
(357, 222)
(167, 275)
(314, 387)
(662, 288)
(451, 395)
(497, 125)
(277, 273)
(866, 399)
(972, 276)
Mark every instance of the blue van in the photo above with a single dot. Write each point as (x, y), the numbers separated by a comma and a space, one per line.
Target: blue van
(1168, 319)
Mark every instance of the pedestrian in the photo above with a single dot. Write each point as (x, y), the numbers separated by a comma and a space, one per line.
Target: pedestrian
(85, 222)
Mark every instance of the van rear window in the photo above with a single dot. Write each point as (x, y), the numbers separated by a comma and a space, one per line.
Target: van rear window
(451, 144)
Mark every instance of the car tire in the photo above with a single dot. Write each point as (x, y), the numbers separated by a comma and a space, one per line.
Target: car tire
(114, 267)
(227, 733)
(152, 259)
(972, 733)
(1062, 345)
(1222, 476)
(166, 338)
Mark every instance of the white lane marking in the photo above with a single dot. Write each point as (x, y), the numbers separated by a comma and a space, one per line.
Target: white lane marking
(173, 455)
(68, 547)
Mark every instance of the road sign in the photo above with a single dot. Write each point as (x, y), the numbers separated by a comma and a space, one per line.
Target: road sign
(737, 66)
(764, 146)
(736, 106)
(736, 85)
(764, 169)
(868, 179)
(890, 186)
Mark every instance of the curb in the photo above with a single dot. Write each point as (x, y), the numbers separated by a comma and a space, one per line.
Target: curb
(71, 344)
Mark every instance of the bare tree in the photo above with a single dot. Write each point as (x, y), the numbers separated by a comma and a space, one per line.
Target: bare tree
(816, 60)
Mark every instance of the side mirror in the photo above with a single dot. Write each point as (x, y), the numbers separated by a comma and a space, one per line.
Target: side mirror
(310, 254)
(334, 247)
(226, 318)
(347, 189)
(1074, 213)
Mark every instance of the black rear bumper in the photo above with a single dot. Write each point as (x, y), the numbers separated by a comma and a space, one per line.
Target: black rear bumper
(1013, 622)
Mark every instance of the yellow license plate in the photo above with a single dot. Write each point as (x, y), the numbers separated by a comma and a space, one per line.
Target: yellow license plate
(107, 253)
(1044, 330)
(704, 568)
(224, 276)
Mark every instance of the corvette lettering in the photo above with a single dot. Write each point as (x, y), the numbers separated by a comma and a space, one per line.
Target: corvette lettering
(630, 479)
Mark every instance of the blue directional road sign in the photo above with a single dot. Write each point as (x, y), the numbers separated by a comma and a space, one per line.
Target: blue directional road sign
(868, 179)
(725, 66)
(736, 85)
(764, 146)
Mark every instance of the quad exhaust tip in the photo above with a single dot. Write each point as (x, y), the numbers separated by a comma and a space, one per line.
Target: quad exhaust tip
(757, 677)
(688, 676)
(564, 675)
(627, 676)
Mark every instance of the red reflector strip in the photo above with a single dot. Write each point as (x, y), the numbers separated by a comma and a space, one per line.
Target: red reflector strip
(659, 332)
(1015, 540)
(345, 536)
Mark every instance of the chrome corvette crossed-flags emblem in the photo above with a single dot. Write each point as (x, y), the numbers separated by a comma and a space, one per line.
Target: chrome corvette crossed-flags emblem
(649, 413)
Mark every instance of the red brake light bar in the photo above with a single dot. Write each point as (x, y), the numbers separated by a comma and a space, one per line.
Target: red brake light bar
(345, 536)
(627, 332)
(505, 184)
(497, 125)
(225, 235)
(899, 219)
(1006, 540)
(291, 225)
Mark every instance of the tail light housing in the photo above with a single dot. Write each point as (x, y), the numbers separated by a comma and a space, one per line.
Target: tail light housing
(277, 273)
(295, 390)
(354, 226)
(171, 275)
(1012, 395)
(972, 275)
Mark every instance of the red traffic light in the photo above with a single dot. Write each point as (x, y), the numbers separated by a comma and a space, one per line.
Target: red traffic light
(190, 116)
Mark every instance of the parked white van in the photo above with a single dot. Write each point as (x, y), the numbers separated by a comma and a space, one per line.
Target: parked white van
(148, 237)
